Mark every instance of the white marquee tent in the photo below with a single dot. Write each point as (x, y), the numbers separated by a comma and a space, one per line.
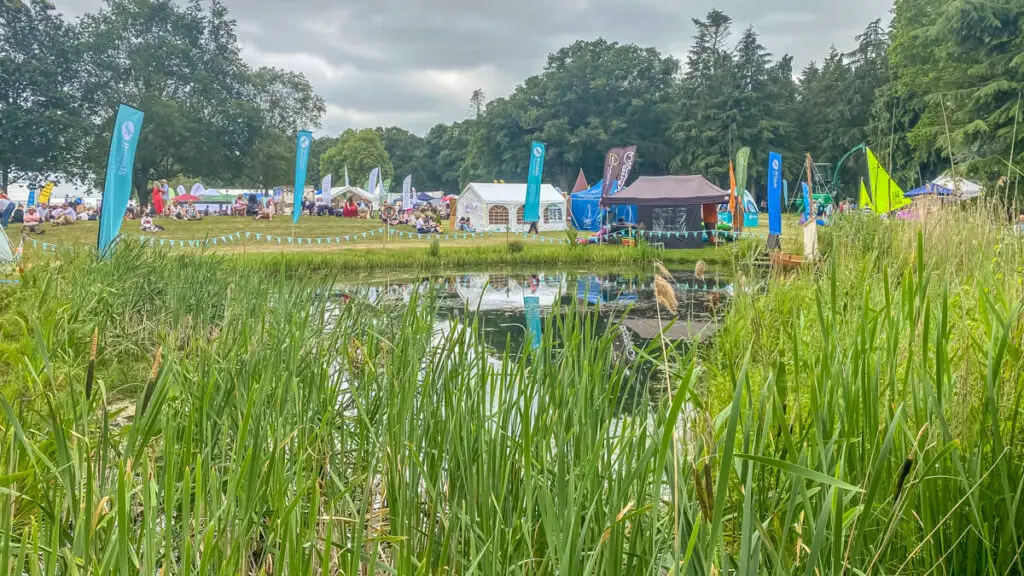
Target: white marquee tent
(959, 187)
(339, 194)
(497, 207)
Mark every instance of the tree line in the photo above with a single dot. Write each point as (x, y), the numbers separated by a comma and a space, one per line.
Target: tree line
(937, 90)
(209, 115)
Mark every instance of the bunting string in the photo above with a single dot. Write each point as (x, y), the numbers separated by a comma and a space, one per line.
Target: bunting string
(392, 234)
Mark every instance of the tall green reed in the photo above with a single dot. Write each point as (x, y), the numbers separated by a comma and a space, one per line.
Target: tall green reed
(860, 418)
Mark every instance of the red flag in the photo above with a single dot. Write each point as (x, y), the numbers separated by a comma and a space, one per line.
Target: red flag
(581, 183)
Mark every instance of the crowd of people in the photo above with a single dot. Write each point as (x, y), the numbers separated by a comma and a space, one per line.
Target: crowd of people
(35, 217)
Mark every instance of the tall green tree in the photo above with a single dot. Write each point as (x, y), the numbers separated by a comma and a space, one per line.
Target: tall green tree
(41, 93)
(408, 154)
(287, 100)
(182, 67)
(361, 152)
(448, 146)
(316, 149)
(287, 104)
(704, 129)
(784, 112)
(757, 121)
(271, 162)
(957, 73)
(591, 96)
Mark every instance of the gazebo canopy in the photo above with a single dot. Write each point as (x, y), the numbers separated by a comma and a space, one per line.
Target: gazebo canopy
(669, 191)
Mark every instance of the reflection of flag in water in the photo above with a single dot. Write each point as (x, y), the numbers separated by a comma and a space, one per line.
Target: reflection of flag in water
(533, 323)
(589, 290)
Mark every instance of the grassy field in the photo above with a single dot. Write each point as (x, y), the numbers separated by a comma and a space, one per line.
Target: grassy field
(860, 416)
(84, 233)
(356, 253)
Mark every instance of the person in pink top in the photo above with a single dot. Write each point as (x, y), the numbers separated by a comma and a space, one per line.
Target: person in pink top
(33, 222)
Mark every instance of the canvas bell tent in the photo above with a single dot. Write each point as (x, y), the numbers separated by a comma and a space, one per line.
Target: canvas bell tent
(499, 207)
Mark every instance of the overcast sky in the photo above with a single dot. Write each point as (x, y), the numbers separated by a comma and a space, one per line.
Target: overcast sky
(415, 63)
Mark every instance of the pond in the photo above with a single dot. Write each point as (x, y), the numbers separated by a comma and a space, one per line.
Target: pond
(510, 306)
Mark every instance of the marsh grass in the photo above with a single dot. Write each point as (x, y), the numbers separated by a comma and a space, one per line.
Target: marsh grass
(862, 417)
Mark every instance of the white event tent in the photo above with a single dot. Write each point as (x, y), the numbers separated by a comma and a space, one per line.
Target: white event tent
(499, 207)
(341, 193)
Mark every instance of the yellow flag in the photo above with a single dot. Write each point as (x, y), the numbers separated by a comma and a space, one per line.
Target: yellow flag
(44, 194)
(865, 199)
(887, 195)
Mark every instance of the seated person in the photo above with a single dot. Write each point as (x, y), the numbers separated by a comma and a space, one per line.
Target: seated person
(64, 216)
(18, 216)
(427, 226)
(351, 210)
(468, 226)
(267, 213)
(252, 206)
(33, 221)
(176, 213)
(238, 208)
(191, 213)
(149, 226)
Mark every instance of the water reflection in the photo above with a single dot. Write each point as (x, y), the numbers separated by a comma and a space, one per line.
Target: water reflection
(510, 307)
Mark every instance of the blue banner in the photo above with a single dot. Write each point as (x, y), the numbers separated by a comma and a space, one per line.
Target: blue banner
(302, 143)
(117, 187)
(31, 196)
(807, 201)
(531, 211)
(774, 193)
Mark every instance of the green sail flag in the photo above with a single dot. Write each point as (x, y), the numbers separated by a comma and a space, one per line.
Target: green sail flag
(742, 159)
(887, 195)
(865, 199)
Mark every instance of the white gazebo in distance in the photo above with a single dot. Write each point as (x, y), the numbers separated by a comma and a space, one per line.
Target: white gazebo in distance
(499, 207)
(341, 193)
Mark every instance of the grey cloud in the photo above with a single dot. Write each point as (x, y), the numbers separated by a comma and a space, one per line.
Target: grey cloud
(415, 63)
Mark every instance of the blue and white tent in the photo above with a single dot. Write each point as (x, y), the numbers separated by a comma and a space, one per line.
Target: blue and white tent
(587, 214)
(945, 186)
